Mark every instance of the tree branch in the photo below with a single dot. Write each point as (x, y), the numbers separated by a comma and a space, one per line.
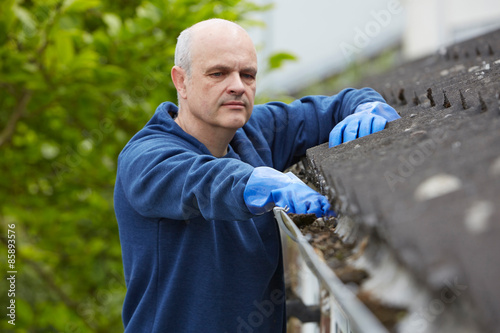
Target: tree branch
(19, 111)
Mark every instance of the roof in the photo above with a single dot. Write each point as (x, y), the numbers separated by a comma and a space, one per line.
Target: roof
(428, 186)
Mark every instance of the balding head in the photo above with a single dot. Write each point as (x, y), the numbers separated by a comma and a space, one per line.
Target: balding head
(215, 77)
(203, 34)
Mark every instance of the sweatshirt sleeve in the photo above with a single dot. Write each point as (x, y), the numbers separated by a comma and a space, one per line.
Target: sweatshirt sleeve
(291, 129)
(149, 168)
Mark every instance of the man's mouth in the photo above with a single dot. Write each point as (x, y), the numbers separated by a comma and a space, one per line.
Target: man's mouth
(238, 104)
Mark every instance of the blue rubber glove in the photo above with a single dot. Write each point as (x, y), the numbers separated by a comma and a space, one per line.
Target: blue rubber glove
(268, 187)
(368, 118)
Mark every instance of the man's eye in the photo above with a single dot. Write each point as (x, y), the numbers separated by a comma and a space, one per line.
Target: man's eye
(217, 74)
(248, 76)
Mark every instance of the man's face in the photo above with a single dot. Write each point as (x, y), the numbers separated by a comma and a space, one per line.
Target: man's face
(221, 89)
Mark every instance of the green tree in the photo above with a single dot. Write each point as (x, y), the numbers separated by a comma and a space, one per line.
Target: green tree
(77, 79)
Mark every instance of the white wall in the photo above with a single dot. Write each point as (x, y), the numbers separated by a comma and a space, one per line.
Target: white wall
(326, 35)
(432, 24)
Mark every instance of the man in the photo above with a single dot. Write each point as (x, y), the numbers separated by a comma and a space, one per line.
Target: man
(195, 186)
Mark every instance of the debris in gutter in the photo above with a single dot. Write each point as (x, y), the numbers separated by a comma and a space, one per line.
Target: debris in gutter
(336, 253)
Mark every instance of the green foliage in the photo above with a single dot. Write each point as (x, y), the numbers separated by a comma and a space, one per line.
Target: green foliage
(77, 79)
(276, 60)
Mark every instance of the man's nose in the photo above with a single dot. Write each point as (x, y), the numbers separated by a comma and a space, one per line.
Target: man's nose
(235, 85)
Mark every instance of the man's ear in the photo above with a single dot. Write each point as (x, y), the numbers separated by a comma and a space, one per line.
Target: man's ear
(179, 77)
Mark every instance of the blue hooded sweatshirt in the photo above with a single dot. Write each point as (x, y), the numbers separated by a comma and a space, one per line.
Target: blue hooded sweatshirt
(195, 259)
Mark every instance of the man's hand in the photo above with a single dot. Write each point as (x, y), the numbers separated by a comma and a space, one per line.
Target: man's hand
(268, 187)
(368, 118)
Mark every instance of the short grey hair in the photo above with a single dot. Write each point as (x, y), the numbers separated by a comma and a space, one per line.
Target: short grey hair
(183, 51)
